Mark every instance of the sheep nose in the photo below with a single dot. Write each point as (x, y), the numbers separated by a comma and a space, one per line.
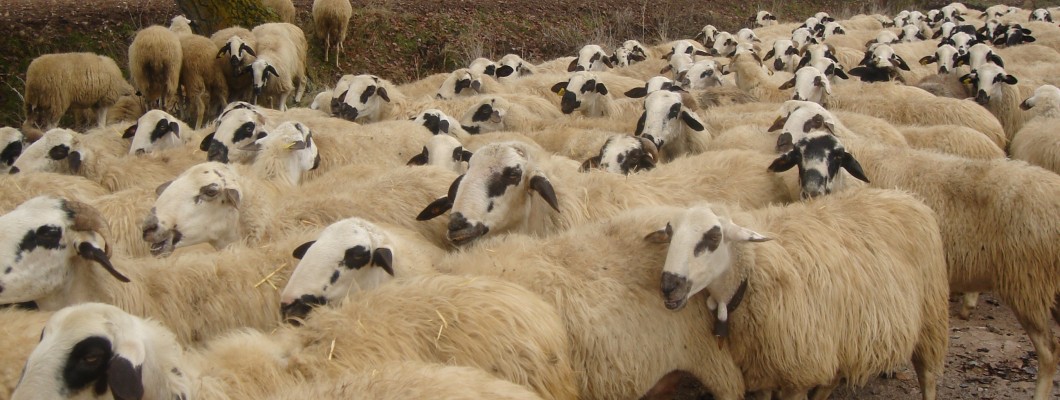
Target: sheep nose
(296, 311)
(457, 222)
(569, 103)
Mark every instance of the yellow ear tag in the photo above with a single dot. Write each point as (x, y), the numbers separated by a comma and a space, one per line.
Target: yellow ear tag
(290, 145)
(561, 92)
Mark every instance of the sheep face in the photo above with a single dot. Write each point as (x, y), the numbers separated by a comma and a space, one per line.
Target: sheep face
(833, 28)
(200, 206)
(512, 66)
(349, 256)
(810, 85)
(237, 51)
(495, 194)
(911, 33)
(664, 117)
(461, 82)
(724, 45)
(363, 101)
(39, 239)
(1041, 14)
(590, 58)
(487, 116)
(623, 154)
(786, 55)
(443, 151)
(435, 121)
(59, 151)
(764, 18)
(292, 145)
(261, 72)
(945, 30)
(707, 35)
(700, 251)
(237, 129)
(701, 75)
(630, 52)
(154, 131)
(1047, 95)
(819, 156)
(483, 66)
(960, 40)
(881, 63)
(946, 56)
(823, 17)
(11, 144)
(986, 82)
(802, 37)
(747, 36)
(1014, 35)
(653, 84)
(96, 350)
(580, 92)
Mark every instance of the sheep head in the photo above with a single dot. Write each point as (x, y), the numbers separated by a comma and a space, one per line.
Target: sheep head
(487, 116)
(700, 250)
(664, 118)
(986, 82)
(819, 155)
(11, 144)
(58, 150)
(443, 151)
(363, 100)
(623, 154)
(201, 206)
(154, 131)
(1045, 95)
(349, 256)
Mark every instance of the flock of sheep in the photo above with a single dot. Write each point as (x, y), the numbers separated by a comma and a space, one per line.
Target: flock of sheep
(271, 252)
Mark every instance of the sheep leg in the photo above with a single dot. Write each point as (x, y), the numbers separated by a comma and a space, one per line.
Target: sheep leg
(101, 116)
(283, 102)
(200, 109)
(300, 89)
(327, 46)
(822, 392)
(968, 303)
(1045, 345)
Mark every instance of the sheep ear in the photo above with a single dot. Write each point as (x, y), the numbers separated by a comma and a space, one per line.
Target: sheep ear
(738, 233)
(928, 60)
(436, 208)
(232, 197)
(802, 63)
(541, 185)
(778, 123)
(901, 63)
(384, 258)
(700, 53)
(161, 188)
(1009, 79)
(666, 69)
(129, 132)
(691, 121)
(125, 379)
(600, 88)
(271, 70)
(637, 92)
(996, 59)
(573, 65)
(770, 54)
(788, 85)
(853, 167)
(966, 79)
(382, 93)
(591, 163)
(784, 143)
(661, 236)
(465, 155)
(244, 48)
(75, 161)
(817, 122)
(419, 159)
(90, 251)
(175, 128)
(607, 62)
(490, 70)
(204, 145)
(784, 162)
(558, 88)
(300, 251)
(222, 51)
(252, 146)
(640, 124)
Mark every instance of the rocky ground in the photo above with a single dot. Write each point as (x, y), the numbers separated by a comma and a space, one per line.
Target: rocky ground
(990, 357)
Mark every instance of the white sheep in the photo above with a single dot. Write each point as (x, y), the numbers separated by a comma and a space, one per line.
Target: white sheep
(787, 56)
(1037, 142)
(239, 44)
(675, 129)
(973, 198)
(443, 151)
(349, 256)
(586, 93)
(752, 78)
(155, 59)
(1041, 14)
(56, 151)
(463, 83)
(482, 202)
(11, 144)
(280, 52)
(58, 82)
(512, 66)
(367, 98)
(764, 18)
(590, 57)
(509, 113)
(945, 56)
(995, 90)
(155, 131)
(483, 65)
(706, 35)
(624, 154)
(332, 18)
(809, 84)
(181, 25)
(203, 80)
(283, 9)
(749, 278)
(438, 122)
(701, 75)
(251, 364)
(285, 154)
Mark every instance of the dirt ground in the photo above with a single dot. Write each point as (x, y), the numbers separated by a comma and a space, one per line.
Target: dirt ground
(990, 357)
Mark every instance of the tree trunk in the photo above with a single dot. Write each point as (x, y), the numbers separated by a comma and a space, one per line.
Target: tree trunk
(214, 15)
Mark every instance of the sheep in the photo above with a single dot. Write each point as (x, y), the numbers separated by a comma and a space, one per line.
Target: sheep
(285, 154)
(155, 131)
(332, 18)
(53, 152)
(463, 82)
(701, 75)
(181, 25)
(786, 53)
(706, 35)
(910, 33)
(978, 55)
(1041, 14)
(281, 52)
(884, 37)
(236, 128)
(815, 138)
(155, 59)
(945, 56)
(973, 198)
(411, 380)
(831, 29)
(239, 44)
(483, 65)
(221, 205)
(511, 66)
(591, 57)
(881, 64)
(809, 84)
(763, 19)
(764, 117)
(438, 122)
(384, 144)
(349, 256)
(1037, 142)
(367, 99)
(27, 185)
(501, 113)
(251, 364)
(724, 45)
(443, 151)
(674, 129)
(283, 9)
(713, 247)
(952, 139)
(629, 53)
(21, 331)
(203, 80)
(751, 78)
(74, 238)
(995, 90)
(57, 82)
(11, 144)
(586, 93)
(482, 204)
(678, 64)
(624, 154)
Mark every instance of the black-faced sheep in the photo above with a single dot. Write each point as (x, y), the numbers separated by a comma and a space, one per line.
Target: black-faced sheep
(58, 82)
(281, 52)
(155, 59)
